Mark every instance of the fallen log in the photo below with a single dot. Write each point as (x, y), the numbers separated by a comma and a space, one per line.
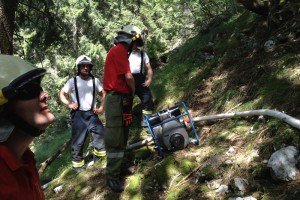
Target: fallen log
(47, 162)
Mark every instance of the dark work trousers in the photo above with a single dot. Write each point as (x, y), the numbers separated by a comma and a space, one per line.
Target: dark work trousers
(142, 92)
(84, 122)
(116, 135)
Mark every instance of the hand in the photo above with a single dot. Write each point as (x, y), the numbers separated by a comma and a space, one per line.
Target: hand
(132, 95)
(127, 103)
(97, 111)
(147, 83)
(127, 110)
(127, 118)
(73, 106)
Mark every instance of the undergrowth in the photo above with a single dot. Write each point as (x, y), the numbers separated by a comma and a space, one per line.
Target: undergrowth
(224, 70)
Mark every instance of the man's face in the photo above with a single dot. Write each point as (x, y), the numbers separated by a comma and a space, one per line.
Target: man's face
(34, 111)
(84, 69)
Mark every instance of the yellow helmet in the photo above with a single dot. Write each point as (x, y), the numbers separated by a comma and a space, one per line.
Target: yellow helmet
(15, 73)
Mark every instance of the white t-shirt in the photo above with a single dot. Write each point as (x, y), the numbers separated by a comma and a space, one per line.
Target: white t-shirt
(85, 91)
(135, 61)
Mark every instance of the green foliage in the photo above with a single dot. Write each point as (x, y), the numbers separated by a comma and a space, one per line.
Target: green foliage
(142, 153)
(49, 143)
(210, 172)
(176, 193)
(186, 166)
(239, 76)
(89, 26)
(46, 145)
(134, 186)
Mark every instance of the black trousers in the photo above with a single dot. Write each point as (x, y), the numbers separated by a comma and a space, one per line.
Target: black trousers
(143, 93)
(84, 122)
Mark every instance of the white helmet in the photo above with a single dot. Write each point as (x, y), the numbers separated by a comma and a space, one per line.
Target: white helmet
(128, 34)
(135, 32)
(131, 29)
(83, 59)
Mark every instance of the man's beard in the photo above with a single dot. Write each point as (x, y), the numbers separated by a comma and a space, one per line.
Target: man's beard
(84, 74)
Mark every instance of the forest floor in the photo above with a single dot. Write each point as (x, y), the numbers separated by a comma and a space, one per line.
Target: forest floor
(243, 74)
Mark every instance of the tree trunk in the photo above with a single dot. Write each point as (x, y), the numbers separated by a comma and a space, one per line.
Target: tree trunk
(75, 34)
(7, 18)
(275, 11)
(47, 162)
(260, 7)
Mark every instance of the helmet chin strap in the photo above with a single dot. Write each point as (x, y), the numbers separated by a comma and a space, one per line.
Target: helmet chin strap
(22, 124)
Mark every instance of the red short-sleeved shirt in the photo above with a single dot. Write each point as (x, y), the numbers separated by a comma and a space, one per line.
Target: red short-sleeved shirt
(19, 181)
(115, 67)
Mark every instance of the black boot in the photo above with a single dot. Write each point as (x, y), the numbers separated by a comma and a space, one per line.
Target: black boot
(115, 185)
(127, 171)
(95, 158)
(79, 169)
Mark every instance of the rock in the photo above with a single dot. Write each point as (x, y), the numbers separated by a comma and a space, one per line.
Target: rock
(223, 189)
(214, 184)
(239, 185)
(58, 189)
(269, 45)
(283, 164)
(230, 150)
(242, 198)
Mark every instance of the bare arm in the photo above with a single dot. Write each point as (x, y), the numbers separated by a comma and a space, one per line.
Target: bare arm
(130, 82)
(101, 107)
(63, 98)
(149, 74)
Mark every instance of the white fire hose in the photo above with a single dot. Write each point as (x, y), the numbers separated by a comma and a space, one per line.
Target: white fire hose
(272, 113)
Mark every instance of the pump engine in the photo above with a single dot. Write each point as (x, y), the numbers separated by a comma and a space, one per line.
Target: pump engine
(168, 128)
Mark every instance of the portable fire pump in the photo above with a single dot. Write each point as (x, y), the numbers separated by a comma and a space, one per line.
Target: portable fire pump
(168, 128)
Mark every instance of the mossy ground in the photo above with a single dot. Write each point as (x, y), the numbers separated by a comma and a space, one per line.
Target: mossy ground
(240, 76)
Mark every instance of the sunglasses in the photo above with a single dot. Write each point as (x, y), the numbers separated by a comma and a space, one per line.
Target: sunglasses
(30, 90)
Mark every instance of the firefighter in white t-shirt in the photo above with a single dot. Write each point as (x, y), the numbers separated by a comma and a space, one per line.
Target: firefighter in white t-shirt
(142, 72)
(79, 94)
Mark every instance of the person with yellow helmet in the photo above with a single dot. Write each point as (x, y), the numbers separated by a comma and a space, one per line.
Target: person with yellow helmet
(118, 83)
(24, 115)
(79, 94)
(139, 60)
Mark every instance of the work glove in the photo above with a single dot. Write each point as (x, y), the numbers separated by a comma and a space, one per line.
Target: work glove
(127, 118)
(127, 110)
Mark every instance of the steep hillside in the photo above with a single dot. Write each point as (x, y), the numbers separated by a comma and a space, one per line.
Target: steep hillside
(236, 66)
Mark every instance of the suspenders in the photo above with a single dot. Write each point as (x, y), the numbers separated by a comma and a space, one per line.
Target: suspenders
(142, 62)
(76, 91)
(140, 77)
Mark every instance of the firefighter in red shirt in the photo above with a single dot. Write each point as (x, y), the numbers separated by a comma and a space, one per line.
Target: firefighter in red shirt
(118, 83)
(24, 115)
